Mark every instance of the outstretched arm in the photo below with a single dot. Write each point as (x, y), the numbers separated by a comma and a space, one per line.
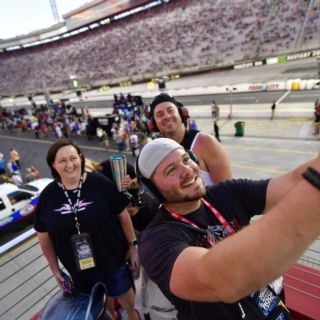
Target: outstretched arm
(279, 186)
(253, 257)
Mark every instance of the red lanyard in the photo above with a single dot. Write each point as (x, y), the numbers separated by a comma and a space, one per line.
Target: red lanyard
(214, 211)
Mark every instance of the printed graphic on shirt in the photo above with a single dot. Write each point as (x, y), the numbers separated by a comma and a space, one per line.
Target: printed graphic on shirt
(218, 232)
(67, 209)
(215, 234)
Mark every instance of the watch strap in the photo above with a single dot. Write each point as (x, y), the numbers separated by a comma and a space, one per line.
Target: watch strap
(312, 176)
(133, 242)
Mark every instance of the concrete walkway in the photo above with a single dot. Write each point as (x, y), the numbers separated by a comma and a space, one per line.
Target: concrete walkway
(292, 120)
(291, 128)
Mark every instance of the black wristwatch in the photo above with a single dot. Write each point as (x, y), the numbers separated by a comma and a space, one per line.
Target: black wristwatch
(312, 176)
(133, 243)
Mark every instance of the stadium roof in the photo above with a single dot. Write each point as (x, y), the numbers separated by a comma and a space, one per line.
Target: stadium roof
(19, 17)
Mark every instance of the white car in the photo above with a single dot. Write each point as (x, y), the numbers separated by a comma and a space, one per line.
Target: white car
(36, 186)
(17, 203)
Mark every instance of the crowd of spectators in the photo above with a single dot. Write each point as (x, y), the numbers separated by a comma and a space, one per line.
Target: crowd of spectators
(127, 126)
(283, 35)
(174, 37)
(310, 33)
(44, 119)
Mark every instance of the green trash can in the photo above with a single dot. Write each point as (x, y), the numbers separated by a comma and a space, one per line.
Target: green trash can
(239, 128)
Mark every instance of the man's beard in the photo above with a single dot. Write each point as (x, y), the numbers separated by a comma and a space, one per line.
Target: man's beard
(178, 197)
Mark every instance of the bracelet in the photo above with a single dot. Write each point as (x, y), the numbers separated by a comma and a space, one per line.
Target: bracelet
(312, 176)
(133, 243)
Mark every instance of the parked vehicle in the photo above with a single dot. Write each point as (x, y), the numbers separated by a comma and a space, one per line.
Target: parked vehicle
(18, 203)
(36, 186)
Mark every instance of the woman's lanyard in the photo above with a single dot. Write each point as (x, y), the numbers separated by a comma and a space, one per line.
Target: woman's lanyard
(81, 243)
(214, 211)
(74, 208)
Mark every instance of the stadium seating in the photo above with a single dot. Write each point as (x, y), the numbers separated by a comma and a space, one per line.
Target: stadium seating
(177, 36)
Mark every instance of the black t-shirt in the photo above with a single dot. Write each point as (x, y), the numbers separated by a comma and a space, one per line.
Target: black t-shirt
(100, 205)
(165, 238)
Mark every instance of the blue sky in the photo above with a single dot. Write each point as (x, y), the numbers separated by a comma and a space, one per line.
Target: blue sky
(23, 16)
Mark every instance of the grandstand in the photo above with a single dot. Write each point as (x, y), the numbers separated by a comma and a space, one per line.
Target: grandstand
(105, 43)
(110, 42)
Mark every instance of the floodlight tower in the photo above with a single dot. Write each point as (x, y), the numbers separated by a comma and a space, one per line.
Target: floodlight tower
(54, 10)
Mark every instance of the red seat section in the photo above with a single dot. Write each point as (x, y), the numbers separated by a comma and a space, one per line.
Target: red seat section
(302, 287)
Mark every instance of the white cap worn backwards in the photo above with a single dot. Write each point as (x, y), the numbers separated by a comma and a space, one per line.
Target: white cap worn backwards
(153, 153)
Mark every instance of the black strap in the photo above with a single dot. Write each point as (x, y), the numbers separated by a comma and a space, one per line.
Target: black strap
(188, 138)
(74, 207)
(312, 176)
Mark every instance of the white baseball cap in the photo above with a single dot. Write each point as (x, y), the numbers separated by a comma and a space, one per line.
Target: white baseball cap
(153, 153)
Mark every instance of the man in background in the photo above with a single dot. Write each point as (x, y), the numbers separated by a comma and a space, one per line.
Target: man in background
(167, 117)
